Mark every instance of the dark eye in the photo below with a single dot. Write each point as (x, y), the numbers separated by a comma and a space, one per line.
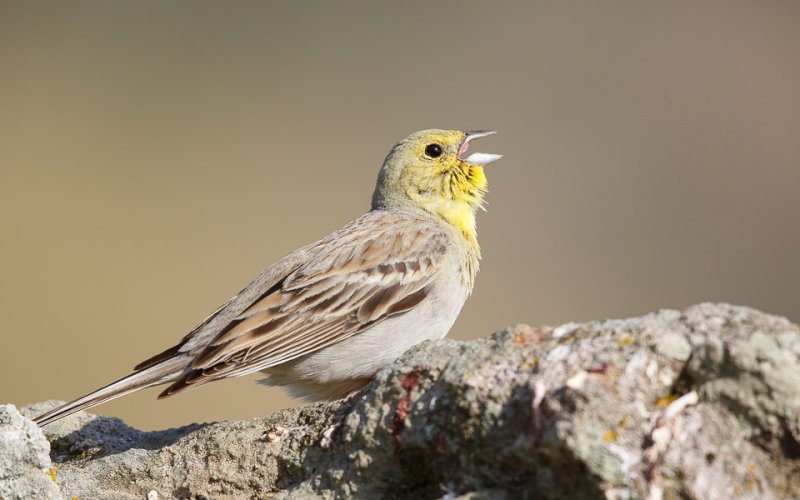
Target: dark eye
(433, 150)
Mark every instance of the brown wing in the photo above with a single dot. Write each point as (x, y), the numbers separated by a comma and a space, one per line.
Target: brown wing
(364, 273)
(147, 363)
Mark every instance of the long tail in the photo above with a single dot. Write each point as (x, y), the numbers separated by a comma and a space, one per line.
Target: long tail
(160, 373)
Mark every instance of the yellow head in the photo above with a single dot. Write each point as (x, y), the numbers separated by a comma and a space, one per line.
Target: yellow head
(428, 172)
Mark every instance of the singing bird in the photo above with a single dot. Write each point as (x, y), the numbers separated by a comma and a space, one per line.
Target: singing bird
(324, 319)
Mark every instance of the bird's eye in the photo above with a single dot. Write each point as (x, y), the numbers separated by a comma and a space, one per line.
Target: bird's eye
(433, 150)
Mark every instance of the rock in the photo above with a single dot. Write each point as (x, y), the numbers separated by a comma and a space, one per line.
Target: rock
(25, 468)
(703, 403)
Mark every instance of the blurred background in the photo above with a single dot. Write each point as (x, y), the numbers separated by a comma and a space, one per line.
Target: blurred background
(154, 157)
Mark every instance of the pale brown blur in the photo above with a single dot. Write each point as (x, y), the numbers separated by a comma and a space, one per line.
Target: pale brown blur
(154, 157)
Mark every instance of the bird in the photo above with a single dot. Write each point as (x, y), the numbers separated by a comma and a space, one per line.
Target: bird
(324, 319)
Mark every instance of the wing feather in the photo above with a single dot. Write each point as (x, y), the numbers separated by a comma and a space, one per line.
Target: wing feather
(378, 266)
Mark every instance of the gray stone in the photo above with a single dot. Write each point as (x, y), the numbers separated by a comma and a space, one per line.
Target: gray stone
(703, 403)
(25, 468)
(674, 345)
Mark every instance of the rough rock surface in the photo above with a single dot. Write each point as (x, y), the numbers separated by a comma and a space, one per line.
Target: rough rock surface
(703, 403)
(25, 468)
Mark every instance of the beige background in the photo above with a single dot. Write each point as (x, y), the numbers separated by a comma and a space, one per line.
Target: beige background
(154, 157)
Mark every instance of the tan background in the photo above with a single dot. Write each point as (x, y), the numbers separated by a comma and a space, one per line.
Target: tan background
(156, 156)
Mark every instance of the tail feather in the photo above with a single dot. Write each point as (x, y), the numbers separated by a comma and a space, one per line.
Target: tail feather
(163, 372)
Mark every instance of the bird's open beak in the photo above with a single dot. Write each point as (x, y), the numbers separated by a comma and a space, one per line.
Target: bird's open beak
(481, 159)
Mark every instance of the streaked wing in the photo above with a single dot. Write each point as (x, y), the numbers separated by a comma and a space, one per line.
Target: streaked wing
(147, 363)
(378, 266)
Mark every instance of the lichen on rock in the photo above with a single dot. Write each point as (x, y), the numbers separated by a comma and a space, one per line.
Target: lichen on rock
(25, 468)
